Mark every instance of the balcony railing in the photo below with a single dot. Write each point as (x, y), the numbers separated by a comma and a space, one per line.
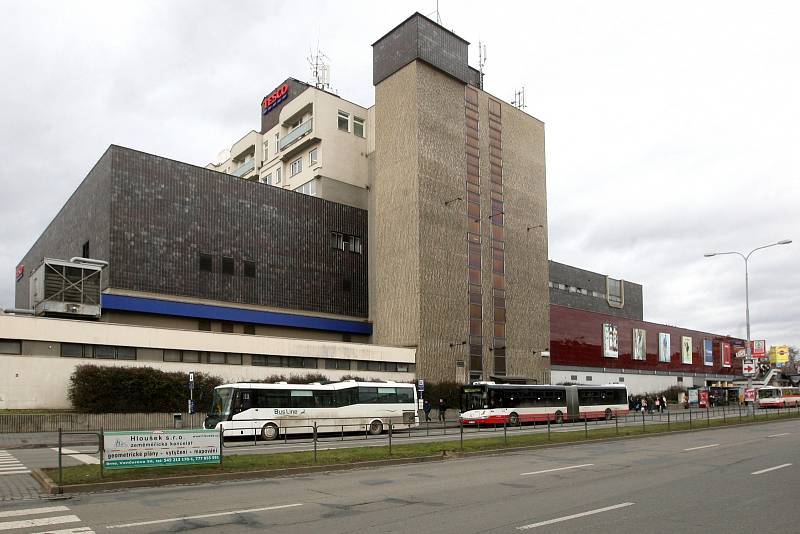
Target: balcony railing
(296, 134)
(244, 168)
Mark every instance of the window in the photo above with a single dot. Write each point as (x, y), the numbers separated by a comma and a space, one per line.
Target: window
(171, 355)
(249, 268)
(309, 188)
(358, 126)
(313, 156)
(302, 398)
(296, 167)
(278, 175)
(573, 377)
(216, 357)
(266, 151)
(680, 379)
(10, 346)
(104, 351)
(190, 356)
(277, 138)
(233, 359)
(204, 325)
(268, 179)
(227, 265)
(337, 364)
(621, 379)
(354, 244)
(259, 359)
(337, 240)
(343, 121)
(206, 262)
(588, 378)
(72, 350)
(126, 353)
(85, 250)
(227, 327)
(250, 329)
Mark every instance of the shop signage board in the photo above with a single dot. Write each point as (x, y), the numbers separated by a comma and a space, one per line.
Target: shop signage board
(160, 448)
(750, 395)
(758, 348)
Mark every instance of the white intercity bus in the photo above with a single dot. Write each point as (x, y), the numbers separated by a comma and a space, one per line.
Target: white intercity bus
(778, 397)
(484, 403)
(274, 410)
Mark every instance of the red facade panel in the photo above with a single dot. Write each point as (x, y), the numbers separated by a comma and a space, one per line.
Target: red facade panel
(576, 339)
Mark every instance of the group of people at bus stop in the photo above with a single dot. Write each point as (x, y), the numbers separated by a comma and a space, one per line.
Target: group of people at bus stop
(647, 403)
(427, 408)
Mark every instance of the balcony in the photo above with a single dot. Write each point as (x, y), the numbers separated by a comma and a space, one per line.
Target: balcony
(244, 168)
(295, 135)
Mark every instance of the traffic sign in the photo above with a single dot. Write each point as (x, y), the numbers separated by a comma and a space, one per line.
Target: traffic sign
(421, 385)
(749, 368)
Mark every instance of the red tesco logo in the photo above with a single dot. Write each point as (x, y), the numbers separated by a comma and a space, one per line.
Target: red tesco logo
(20, 272)
(272, 100)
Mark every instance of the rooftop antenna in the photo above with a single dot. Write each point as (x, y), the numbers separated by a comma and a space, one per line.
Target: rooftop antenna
(519, 99)
(438, 18)
(320, 69)
(481, 59)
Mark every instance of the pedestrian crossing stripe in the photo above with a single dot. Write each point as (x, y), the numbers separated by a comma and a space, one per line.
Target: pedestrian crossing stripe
(20, 522)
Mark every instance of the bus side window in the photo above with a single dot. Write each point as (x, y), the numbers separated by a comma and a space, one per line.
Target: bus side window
(405, 395)
(367, 395)
(302, 398)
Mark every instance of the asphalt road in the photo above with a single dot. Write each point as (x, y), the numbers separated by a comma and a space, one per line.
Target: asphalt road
(48, 457)
(729, 480)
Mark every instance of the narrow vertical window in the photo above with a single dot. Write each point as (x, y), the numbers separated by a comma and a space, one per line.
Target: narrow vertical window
(343, 121)
(358, 126)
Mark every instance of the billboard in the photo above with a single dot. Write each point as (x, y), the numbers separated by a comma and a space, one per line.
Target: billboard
(664, 349)
(686, 350)
(725, 349)
(160, 448)
(708, 353)
(779, 354)
(639, 344)
(758, 348)
(610, 347)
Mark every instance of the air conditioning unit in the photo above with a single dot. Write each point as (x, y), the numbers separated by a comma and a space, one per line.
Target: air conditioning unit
(67, 288)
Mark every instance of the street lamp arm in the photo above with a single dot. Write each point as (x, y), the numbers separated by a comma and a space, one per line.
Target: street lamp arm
(784, 242)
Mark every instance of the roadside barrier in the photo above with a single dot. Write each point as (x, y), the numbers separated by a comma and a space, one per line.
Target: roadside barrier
(77, 422)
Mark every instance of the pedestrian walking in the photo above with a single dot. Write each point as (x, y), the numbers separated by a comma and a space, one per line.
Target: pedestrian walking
(658, 404)
(663, 402)
(442, 410)
(644, 405)
(426, 408)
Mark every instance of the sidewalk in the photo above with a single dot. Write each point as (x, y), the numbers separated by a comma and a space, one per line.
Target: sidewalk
(38, 440)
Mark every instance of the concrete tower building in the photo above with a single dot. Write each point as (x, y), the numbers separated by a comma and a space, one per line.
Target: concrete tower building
(457, 214)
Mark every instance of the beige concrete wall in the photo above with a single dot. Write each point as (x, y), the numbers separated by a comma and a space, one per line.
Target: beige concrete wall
(418, 251)
(71, 331)
(394, 212)
(526, 266)
(32, 382)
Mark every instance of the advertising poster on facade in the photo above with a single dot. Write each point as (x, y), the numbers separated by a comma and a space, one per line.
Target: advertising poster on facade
(664, 348)
(610, 348)
(639, 343)
(686, 349)
(159, 448)
(708, 352)
(725, 349)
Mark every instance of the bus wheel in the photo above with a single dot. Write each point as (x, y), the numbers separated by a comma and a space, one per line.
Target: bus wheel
(608, 414)
(376, 427)
(513, 419)
(559, 417)
(269, 432)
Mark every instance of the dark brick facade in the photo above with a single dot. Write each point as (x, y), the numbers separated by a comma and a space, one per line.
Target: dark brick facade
(164, 214)
(581, 279)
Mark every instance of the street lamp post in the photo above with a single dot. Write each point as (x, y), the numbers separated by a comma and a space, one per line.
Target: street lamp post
(746, 259)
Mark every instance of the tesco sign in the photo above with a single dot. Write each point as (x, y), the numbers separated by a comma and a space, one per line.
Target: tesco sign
(278, 96)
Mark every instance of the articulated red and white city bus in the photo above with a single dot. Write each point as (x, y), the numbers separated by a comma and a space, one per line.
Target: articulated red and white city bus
(485, 403)
(778, 397)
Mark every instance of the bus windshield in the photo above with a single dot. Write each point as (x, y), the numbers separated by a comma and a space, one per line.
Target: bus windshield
(221, 403)
(473, 398)
(768, 393)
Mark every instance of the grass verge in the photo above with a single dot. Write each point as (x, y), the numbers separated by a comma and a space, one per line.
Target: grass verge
(85, 474)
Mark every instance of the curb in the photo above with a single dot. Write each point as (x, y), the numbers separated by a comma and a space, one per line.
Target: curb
(46, 445)
(51, 488)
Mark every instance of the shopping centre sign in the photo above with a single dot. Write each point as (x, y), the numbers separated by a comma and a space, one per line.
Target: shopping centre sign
(278, 96)
(124, 450)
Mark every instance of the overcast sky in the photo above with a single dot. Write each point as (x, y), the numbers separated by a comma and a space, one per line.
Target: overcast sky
(672, 129)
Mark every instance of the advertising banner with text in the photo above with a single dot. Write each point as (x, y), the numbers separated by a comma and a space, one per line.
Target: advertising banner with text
(160, 448)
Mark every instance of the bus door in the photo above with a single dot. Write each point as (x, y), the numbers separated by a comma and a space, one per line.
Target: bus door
(573, 406)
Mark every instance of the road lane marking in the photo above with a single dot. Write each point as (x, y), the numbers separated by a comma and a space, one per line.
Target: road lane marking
(556, 469)
(77, 530)
(85, 458)
(203, 516)
(28, 523)
(15, 472)
(34, 511)
(767, 470)
(702, 447)
(575, 516)
(778, 435)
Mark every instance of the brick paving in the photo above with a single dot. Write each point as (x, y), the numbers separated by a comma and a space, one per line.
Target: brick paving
(15, 483)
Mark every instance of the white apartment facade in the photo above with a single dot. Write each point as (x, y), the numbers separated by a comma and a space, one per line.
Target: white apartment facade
(311, 141)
